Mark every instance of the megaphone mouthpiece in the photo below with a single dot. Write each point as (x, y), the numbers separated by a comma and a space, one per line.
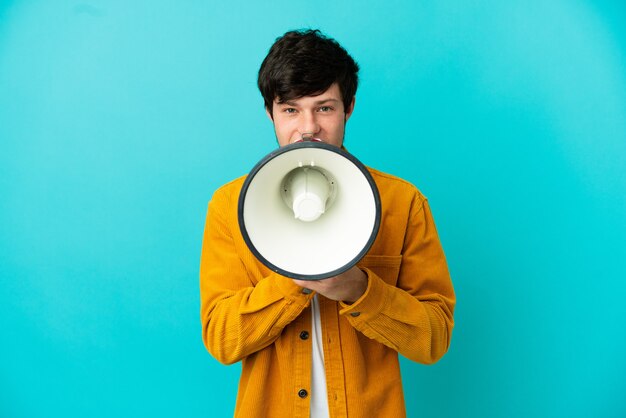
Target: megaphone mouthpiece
(306, 192)
(308, 136)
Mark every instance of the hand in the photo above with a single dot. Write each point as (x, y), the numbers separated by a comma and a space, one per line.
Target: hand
(347, 287)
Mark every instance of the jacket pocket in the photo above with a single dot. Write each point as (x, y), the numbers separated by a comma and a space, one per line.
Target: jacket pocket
(387, 267)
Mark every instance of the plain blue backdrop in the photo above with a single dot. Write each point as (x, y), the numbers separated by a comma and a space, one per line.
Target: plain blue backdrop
(119, 119)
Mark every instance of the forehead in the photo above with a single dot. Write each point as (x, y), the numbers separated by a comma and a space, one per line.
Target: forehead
(331, 94)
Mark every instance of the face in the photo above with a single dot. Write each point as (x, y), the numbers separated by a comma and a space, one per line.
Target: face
(321, 116)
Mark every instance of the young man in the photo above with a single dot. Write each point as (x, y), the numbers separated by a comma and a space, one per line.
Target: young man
(326, 348)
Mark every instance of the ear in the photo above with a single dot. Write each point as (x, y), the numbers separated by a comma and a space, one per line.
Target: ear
(269, 115)
(350, 109)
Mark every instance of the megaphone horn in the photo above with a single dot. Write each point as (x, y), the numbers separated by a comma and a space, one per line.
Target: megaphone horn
(309, 210)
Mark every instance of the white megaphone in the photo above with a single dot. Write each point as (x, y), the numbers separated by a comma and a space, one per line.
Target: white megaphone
(309, 210)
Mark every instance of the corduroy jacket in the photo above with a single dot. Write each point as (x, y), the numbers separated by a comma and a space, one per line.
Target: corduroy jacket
(253, 315)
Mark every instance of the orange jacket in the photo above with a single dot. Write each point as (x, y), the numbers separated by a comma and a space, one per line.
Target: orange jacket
(251, 314)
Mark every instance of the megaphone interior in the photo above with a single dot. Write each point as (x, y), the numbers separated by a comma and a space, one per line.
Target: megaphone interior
(309, 210)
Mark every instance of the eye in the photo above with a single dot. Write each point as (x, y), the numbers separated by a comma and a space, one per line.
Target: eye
(325, 109)
(289, 110)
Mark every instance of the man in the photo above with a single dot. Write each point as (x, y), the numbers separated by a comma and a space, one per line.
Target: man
(326, 348)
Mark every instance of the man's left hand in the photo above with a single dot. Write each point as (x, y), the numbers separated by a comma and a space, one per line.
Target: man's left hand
(347, 287)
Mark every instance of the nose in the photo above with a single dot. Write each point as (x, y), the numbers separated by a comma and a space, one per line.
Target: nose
(310, 125)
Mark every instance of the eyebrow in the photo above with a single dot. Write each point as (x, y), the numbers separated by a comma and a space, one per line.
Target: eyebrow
(318, 102)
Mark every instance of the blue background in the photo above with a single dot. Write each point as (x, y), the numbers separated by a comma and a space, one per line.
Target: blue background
(119, 119)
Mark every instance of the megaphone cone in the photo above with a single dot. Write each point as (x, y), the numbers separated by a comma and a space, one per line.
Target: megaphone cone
(309, 210)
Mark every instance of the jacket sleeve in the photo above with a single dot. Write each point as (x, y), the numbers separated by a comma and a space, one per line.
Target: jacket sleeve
(241, 313)
(415, 315)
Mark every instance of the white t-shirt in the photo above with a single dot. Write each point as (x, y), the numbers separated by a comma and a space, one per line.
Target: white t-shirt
(319, 398)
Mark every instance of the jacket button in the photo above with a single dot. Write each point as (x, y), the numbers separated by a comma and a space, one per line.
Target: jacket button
(302, 393)
(304, 335)
(355, 314)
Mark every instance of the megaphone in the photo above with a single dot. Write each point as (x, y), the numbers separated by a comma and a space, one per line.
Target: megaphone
(309, 210)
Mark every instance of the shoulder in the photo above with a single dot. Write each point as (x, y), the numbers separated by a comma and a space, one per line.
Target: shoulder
(227, 195)
(227, 189)
(393, 188)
